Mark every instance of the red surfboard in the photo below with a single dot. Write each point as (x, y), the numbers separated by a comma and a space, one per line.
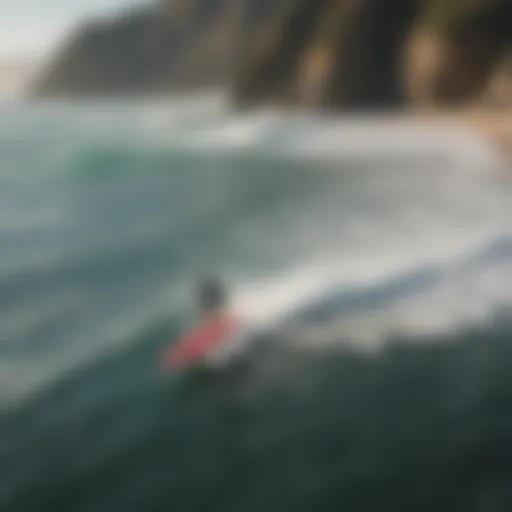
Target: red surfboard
(199, 343)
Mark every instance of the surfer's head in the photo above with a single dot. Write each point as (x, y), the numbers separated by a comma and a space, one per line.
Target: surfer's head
(212, 295)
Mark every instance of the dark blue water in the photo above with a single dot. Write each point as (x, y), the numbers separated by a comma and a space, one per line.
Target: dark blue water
(393, 258)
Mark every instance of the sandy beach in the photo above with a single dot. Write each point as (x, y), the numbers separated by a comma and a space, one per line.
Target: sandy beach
(494, 125)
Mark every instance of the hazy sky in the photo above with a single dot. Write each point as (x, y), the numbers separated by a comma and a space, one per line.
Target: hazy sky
(33, 26)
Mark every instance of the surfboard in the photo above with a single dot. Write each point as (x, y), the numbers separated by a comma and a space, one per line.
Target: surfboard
(204, 342)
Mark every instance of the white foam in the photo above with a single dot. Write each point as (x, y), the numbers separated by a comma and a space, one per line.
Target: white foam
(376, 138)
(456, 303)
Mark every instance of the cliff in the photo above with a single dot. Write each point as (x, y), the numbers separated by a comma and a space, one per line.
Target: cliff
(375, 54)
(346, 54)
(173, 44)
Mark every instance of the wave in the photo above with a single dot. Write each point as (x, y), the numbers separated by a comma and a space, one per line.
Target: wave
(107, 131)
(330, 419)
(381, 254)
(371, 224)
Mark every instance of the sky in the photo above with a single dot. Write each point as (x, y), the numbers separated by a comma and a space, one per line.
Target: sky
(34, 27)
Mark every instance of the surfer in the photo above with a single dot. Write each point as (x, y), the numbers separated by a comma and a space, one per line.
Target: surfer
(215, 327)
(202, 373)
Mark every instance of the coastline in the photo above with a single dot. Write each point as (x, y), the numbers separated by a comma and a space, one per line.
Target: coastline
(494, 126)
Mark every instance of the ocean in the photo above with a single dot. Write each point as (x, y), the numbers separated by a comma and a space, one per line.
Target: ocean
(383, 244)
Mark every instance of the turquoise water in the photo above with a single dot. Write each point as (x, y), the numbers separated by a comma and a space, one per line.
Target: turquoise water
(350, 232)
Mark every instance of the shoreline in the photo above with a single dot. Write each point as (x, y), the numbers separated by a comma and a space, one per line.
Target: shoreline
(497, 128)
(494, 126)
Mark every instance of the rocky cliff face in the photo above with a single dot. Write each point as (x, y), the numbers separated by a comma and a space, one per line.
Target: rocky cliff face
(440, 71)
(350, 54)
(171, 45)
(454, 49)
(498, 93)
(376, 54)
